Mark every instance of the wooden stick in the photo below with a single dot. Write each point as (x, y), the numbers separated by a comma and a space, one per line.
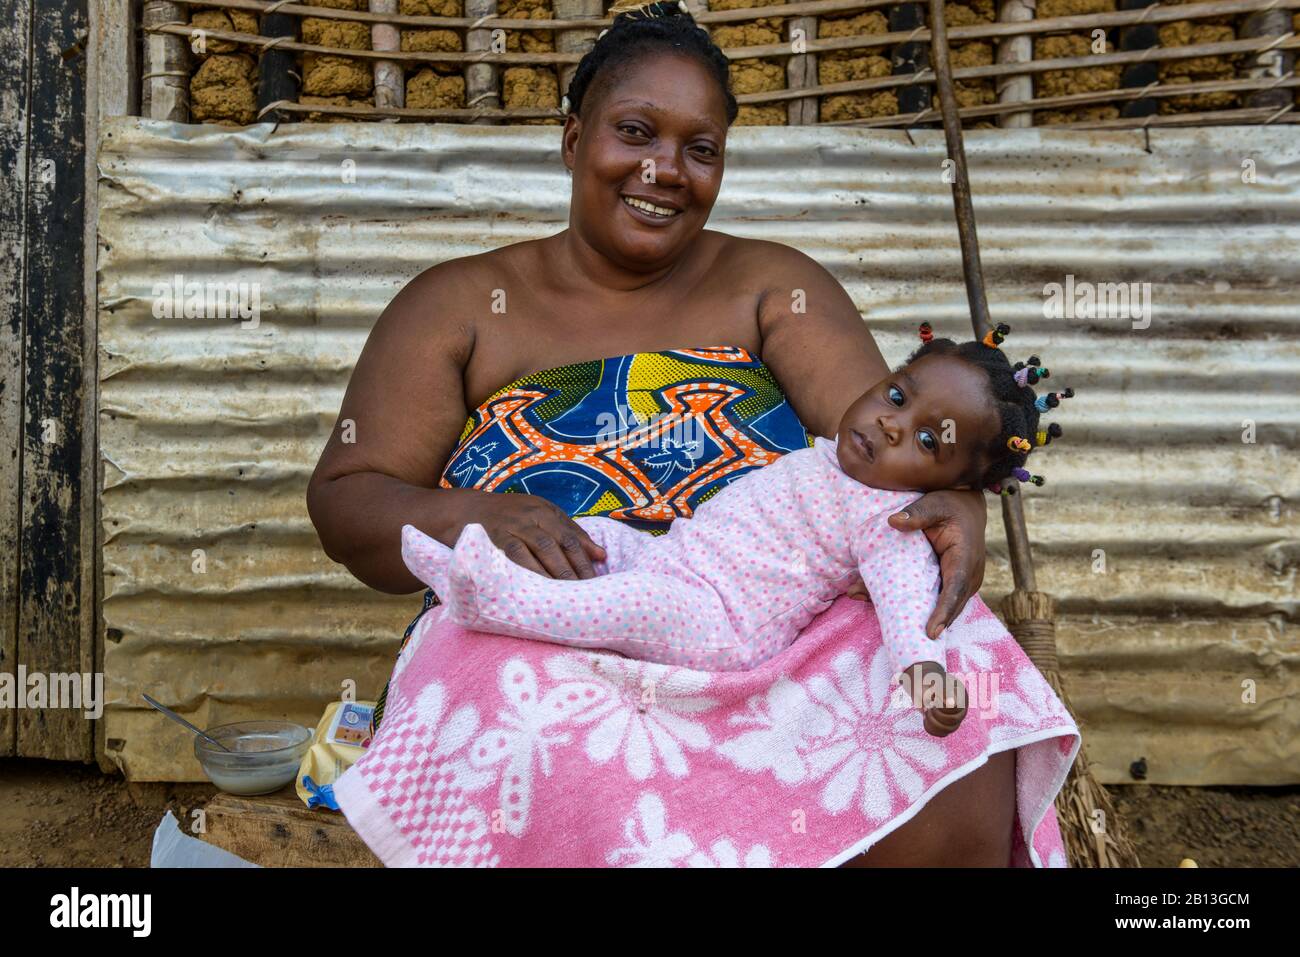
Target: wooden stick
(972, 270)
(1237, 117)
(1076, 99)
(390, 77)
(1036, 66)
(1030, 614)
(698, 10)
(1227, 48)
(1077, 23)
(365, 112)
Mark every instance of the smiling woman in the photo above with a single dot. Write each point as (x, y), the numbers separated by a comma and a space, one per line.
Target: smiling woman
(501, 373)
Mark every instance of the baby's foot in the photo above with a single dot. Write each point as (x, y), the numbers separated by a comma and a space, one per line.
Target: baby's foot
(426, 558)
(476, 573)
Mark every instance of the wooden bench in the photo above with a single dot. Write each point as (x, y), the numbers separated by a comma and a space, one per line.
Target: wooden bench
(278, 830)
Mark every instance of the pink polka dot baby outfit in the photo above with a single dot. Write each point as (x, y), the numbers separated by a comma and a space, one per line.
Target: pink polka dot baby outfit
(722, 591)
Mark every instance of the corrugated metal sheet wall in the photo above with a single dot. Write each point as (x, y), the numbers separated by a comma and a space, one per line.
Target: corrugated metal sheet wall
(209, 430)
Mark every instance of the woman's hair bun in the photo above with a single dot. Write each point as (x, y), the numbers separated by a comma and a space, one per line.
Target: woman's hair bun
(638, 29)
(640, 10)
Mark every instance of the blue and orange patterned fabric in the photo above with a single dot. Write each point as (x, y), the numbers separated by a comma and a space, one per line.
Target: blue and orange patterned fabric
(643, 438)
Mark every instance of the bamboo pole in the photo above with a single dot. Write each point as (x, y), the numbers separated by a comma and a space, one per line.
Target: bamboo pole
(575, 41)
(482, 79)
(1273, 64)
(1019, 48)
(165, 79)
(390, 78)
(1029, 613)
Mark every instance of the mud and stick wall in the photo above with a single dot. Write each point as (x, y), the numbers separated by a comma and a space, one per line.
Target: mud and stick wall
(223, 86)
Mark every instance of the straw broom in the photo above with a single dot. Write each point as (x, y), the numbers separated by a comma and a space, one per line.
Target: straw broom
(1091, 839)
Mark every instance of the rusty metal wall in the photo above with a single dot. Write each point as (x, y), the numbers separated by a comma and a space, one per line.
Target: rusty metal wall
(1169, 539)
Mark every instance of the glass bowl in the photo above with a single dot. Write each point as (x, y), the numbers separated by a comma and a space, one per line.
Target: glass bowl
(264, 755)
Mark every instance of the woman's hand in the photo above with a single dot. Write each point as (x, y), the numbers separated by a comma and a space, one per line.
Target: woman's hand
(532, 531)
(954, 522)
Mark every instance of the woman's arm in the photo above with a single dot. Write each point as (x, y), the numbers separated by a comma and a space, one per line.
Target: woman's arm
(824, 357)
(400, 420)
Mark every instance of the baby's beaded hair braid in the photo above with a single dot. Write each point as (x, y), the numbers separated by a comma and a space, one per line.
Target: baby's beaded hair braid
(645, 28)
(1018, 407)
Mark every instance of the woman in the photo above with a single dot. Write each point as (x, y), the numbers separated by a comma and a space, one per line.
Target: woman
(636, 277)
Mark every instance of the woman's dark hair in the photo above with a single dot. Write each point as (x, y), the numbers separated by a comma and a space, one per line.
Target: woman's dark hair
(1017, 407)
(650, 29)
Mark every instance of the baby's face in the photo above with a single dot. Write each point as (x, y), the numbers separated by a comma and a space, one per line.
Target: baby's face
(918, 429)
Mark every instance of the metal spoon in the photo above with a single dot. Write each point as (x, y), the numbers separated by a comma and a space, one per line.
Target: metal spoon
(179, 720)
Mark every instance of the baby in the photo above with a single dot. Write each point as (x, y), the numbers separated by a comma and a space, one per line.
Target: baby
(732, 586)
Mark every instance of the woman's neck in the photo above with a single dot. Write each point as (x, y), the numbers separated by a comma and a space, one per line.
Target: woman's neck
(575, 257)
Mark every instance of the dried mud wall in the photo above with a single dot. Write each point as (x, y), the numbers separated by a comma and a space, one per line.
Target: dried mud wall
(223, 87)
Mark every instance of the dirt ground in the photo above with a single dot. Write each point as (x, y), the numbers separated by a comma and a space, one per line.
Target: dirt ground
(66, 815)
(69, 815)
(1216, 827)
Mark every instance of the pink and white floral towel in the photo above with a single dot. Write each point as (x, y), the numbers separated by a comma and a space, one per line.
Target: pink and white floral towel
(502, 752)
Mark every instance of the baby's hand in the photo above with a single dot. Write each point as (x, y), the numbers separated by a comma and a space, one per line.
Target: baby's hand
(940, 696)
(858, 591)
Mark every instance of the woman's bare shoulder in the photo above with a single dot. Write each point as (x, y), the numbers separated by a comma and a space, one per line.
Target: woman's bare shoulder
(771, 262)
(468, 274)
(441, 303)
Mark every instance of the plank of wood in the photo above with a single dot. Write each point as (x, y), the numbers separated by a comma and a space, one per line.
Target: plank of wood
(112, 89)
(801, 71)
(278, 830)
(15, 78)
(112, 80)
(52, 602)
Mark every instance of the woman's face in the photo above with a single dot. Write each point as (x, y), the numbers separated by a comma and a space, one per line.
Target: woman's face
(647, 159)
